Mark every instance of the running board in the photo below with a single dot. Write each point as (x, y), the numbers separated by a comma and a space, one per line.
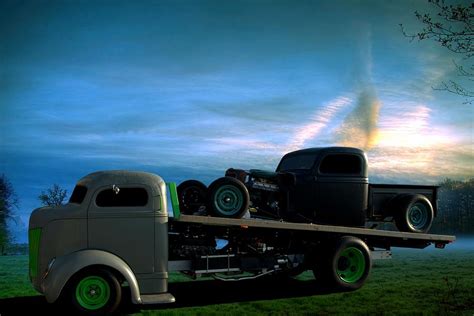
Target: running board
(162, 298)
(252, 277)
(380, 254)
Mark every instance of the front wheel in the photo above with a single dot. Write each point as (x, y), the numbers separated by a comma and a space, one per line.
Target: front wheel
(228, 197)
(95, 292)
(192, 196)
(345, 266)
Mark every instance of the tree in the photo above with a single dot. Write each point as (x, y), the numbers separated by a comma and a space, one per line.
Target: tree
(8, 202)
(452, 26)
(455, 207)
(53, 196)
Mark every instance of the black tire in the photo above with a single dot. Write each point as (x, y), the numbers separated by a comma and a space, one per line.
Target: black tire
(228, 197)
(192, 194)
(413, 213)
(94, 292)
(344, 266)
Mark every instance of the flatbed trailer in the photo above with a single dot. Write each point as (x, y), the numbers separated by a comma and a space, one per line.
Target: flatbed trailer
(376, 237)
(315, 243)
(117, 229)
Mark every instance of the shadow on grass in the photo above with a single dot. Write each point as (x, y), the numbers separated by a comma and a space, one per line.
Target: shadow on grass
(188, 294)
(202, 293)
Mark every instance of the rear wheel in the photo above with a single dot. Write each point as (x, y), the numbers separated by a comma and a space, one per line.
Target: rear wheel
(192, 195)
(228, 197)
(413, 213)
(95, 292)
(345, 266)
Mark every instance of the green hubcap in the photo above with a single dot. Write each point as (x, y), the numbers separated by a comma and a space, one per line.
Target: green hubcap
(92, 292)
(228, 200)
(418, 216)
(351, 265)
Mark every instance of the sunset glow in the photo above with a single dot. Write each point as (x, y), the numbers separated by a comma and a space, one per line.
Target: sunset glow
(187, 89)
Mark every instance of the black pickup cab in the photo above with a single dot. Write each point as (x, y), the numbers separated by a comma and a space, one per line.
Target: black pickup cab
(316, 185)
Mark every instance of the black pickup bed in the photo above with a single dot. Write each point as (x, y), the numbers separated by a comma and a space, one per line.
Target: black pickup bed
(380, 196)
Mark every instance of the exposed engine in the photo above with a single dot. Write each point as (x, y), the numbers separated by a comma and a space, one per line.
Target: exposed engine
(266, 195)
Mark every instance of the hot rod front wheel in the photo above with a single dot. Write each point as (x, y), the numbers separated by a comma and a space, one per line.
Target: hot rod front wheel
(228, 197)
(192, 195)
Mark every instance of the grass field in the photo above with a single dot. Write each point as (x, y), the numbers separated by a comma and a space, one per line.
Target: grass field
(422, 282)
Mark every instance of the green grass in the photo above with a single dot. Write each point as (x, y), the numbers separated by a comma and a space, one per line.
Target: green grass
(14, 280)
(421, 282)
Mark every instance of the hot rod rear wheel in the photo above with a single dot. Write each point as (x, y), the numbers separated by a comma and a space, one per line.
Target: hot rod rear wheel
(192, 195)
(228, 197)
(413, 213)
(95, 292)
(344, 266)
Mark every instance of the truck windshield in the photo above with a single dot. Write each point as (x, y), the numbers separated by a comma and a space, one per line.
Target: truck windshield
(78, 194)
(297, 162)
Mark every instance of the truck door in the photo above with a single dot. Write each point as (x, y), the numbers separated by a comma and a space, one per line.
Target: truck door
(342, 187)
(121, 221)
(304, 195)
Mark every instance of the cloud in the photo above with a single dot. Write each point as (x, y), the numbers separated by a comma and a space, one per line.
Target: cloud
(412, 147)
(359, 128)
(256, 109)
(408, 125)
(320, 119)
(421, 165)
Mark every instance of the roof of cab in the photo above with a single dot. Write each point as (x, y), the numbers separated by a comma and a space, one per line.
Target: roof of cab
(323, 150)
(122, 177)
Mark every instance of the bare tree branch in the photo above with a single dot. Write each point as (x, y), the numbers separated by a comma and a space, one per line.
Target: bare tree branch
(54, 196)
(453, 28)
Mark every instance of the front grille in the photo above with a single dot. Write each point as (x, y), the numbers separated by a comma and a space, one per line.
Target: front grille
(34, 238)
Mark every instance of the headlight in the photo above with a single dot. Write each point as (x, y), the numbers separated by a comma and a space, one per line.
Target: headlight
(50, 266)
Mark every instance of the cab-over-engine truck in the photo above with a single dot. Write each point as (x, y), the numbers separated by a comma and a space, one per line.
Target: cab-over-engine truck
(116, 230)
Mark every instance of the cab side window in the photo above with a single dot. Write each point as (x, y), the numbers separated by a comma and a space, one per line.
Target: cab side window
(125, 197)
(341, 164)
(78, 194)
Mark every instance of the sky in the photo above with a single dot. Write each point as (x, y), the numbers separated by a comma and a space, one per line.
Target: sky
(187, 89)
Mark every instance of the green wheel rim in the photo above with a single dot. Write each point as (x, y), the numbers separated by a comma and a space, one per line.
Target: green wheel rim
(351, 265)
(228, 200)
(418, 216)
(92, 292)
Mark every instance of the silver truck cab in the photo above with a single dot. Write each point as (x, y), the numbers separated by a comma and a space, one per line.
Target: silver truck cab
(113, 230)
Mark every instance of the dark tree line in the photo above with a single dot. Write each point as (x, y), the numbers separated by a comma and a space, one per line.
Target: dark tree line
(455, 207)
(8, 202)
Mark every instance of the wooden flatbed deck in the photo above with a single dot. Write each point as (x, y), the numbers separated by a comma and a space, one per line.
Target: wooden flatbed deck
(394, 238)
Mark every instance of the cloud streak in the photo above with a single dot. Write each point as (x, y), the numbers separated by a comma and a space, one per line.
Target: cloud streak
(318, 122)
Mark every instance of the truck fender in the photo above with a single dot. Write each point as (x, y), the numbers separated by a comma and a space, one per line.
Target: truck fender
(65, 267)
